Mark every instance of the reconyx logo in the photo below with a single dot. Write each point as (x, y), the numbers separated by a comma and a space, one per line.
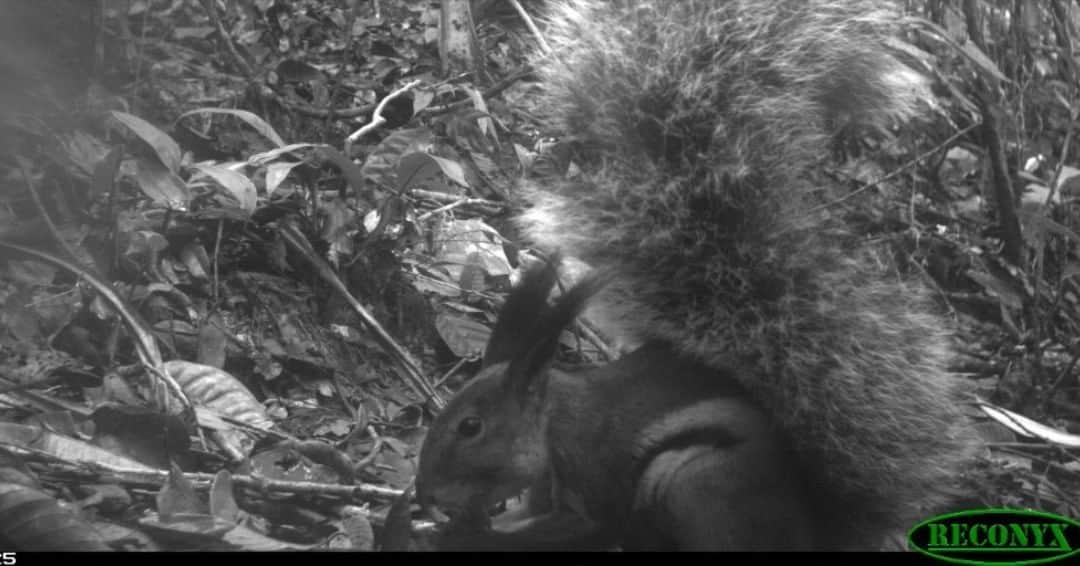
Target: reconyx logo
(997, 536)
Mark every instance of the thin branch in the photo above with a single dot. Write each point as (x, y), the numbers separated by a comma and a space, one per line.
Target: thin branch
(377, 118)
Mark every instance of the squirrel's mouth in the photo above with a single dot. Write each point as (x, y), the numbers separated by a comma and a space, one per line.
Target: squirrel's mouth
(467, 502)
(477, 512)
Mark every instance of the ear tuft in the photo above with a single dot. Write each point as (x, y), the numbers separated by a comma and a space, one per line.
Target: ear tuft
(523, 308)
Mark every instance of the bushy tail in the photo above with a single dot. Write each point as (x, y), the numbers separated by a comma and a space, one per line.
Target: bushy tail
(700, 124)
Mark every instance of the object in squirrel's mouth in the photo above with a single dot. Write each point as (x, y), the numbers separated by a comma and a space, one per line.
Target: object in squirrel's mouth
(436, 514)
(476, 513)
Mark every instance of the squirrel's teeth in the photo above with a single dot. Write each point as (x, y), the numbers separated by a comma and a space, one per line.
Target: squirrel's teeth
(506, 504)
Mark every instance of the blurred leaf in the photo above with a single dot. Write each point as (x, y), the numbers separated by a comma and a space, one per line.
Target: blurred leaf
(422, 98)
(354, 175)
(84, 153)
(357, 527)
(1068, 182)
(222, 503)
(236, 183)
(525, 157)
(968, 49)
(13, 470)
(465, 337)
(276, 174)
(426, 284)
(65, 448)
(381, 165)
(293, 71)
(165, 147)
(1041, 223)
(246, 539)
(416, 168)
(1072, 269)
(20, 317)
(472, 273)
(105, 172)
(268, 156)
(459, 240)
(219, 391)
(1027, 427)
(195, 259)
(1005, 291)
(188, 531)
(161, 185)
(283, 462)
(251, 119)
(31, 520)
(212, 342)
(178, 498)
(983, 62)
(34, 273)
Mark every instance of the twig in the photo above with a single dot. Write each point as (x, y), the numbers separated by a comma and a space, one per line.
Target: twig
(446, 376)
(217, 259)
(488, 93)
(449, 198)
(376, 447)
(210, 6)
(97, 471)
(414, 376)
(377, 118)
(531, 25)
(453, 205)
(1000, 182)
(155, 479)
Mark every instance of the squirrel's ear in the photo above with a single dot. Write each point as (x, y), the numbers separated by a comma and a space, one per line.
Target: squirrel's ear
(524, 307)
(527, 373)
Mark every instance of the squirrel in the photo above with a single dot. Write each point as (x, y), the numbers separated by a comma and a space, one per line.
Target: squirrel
(787, 390)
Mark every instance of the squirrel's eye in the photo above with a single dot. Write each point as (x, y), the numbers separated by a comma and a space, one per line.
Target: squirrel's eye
(470, 427)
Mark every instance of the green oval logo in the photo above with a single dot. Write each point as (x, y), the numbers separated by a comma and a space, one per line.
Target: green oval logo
(997, 536)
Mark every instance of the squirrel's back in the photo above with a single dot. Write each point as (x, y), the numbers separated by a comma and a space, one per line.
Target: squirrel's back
(700, 125)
